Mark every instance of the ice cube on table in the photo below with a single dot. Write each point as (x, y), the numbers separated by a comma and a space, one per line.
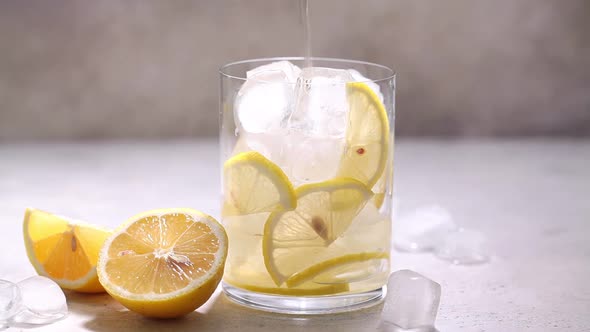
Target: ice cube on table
(463, 247)
(10, 300)
(423, 229)
(411, 302)
(266, 98)
(43, 302)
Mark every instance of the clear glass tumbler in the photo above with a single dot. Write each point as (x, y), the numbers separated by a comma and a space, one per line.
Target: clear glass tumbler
(307, 159)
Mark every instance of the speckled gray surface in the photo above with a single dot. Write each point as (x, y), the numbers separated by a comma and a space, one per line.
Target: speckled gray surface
(530, 197)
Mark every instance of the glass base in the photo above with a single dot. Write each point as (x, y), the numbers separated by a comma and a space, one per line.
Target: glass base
(304, 305)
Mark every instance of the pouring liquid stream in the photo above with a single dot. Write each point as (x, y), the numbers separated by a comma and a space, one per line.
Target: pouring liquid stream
(304, 12)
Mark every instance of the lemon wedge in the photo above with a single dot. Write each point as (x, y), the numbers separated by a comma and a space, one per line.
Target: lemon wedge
(64, 250)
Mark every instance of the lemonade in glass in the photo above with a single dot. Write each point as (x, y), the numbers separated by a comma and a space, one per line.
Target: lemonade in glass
(307, 172)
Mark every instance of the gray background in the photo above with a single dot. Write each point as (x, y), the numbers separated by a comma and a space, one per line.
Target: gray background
(148, 69)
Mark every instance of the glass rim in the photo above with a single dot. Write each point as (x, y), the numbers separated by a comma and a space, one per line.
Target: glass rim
(390, 73)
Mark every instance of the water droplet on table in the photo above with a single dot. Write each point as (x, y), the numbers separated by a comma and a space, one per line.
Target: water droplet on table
(423, 229)
(464, 247)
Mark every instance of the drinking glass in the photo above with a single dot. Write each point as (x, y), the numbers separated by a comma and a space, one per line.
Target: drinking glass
(307, 176)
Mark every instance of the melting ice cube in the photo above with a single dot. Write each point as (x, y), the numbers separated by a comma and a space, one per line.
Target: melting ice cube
(412, 301)
(314, 132)
(321, 107)
(463, 247)
(310, 159)
(266, 98)
(289, 71)
(43, 302)
(10, 300)
(296, 118)
(280, 96)
(423, 229)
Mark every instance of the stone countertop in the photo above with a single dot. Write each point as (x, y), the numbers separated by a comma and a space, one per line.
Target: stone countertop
(530, 198)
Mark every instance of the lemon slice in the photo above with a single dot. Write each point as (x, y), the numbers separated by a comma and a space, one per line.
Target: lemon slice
(324, 211)
(64, 250)
(378, 200)
(348, 267)
(379, 190)
(367, 137)
(164, 263)
(254, 184)
(384, 182)
(317, 290)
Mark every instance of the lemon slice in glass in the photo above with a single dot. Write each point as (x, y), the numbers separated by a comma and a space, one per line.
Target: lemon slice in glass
(297, 239)
(384, 182)
(367, 137)
(254, 184)
(314, 290)
(345, 268)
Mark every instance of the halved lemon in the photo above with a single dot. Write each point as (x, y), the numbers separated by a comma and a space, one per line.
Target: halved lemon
(254, 184)
(63, 249)
(164, 263)
(367, 137)
(294, 240)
